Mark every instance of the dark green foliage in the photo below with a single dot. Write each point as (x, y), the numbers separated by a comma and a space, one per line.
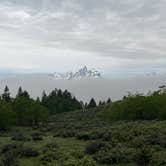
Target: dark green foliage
(122, 143)
(115, 156)
(66, 133)
(19, 137)
(9, 147)
(50, 147)
(94, 147)
(9, 159)
(29, 152)
(22, 93)
(44, 98)
(158, 159)
(49, 157)
(10, 154)
(28, 111)
(86, 161)
(19, 93)
(37, 137)
(22, 110)
(58, 101)
(83, 138)
(143, 156)
(92, 104)
(92, 135)
(6, 94)
(7, 116)
(109, 101)
(138, 107)
(38, 100)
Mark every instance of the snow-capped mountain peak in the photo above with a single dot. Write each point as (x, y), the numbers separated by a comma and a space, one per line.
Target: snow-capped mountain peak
(81, 73)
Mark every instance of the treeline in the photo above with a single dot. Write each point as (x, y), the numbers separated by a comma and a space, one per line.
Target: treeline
(21, 110)
(24, 110)
(139, 107)
(58, 101)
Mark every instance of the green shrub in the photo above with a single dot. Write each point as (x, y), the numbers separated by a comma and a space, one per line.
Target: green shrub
(66, 133)
(19, 137)
(143, 156)
(37, 137)
(9, 159)
(158, 159)
(84, 136)
(87, 161)
(94, 147)
(52, 147)
(115, 156)
(10, 147)
(29, 152)
(49, 157)
(10, 154)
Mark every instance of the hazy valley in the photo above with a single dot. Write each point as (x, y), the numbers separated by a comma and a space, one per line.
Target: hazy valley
(84, 89)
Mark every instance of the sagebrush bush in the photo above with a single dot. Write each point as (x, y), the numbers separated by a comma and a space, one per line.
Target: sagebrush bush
(52, 147)
(143, 156)
(19, 137)
(37, 137)
(115, 156)
(29, 152)
(94, 147)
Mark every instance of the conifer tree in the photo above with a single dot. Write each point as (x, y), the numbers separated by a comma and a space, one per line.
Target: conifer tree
(20, 92)
(38, 100)
(92, 103)
(44, 98)
(109, 101)
(6, 94)
(100, 103)
(26, 94)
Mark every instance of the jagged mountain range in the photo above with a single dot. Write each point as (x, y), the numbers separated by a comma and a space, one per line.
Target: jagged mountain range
(80, 74)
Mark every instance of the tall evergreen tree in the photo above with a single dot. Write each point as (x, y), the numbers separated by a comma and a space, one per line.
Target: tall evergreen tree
(85, 105)
(100, 103)
(60, 93)
(109, 101)
(6, 94)
(92, 103)
(44, 98)
(26, 94)
(20, 92)
(38, 100)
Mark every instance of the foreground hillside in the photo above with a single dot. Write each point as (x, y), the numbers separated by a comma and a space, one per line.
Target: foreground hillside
(84, 138)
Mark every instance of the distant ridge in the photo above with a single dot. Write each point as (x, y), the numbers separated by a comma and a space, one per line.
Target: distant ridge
(80, 74)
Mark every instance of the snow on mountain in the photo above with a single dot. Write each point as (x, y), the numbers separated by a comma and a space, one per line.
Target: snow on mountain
(81, 73)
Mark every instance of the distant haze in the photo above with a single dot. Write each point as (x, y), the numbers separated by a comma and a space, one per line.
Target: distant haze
(84, 89)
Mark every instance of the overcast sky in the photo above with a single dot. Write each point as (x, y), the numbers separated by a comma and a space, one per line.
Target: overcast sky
(114, 36)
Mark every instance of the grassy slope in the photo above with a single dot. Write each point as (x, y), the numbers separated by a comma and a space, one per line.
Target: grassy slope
(71, 132)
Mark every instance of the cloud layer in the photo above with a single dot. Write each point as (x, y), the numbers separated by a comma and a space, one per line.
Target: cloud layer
(112, 35)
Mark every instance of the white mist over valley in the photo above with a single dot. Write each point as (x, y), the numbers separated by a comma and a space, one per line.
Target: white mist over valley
(84, 89)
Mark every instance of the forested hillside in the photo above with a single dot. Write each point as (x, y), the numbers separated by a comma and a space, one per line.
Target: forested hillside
(59, 130)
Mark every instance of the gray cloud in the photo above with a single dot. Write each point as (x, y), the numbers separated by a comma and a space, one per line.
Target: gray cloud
(132, 30)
